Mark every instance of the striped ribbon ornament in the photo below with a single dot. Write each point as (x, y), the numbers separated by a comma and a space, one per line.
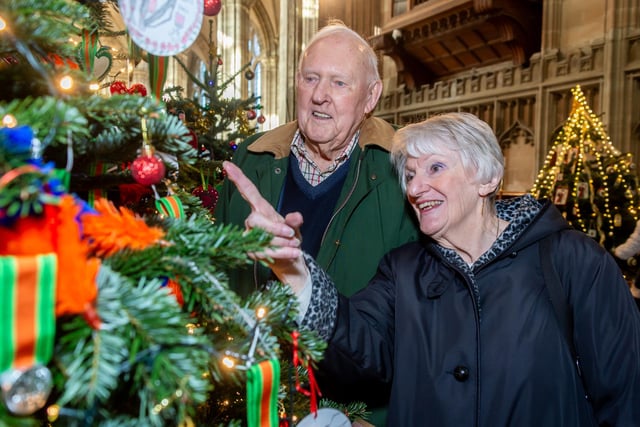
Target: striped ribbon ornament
(157, 74)
(27, 312)
(170, 206)
(263, 382)
(88, 49)
(94, 194)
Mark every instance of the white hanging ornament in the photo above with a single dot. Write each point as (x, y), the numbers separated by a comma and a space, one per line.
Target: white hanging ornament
(162, 27)
(325, 417)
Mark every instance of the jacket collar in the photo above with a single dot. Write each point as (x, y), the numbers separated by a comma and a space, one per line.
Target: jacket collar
(374, 131)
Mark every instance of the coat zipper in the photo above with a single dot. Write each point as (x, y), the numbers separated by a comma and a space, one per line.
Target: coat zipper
(346, 199)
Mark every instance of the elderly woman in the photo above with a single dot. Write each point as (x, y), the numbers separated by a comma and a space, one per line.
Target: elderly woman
(461, 324)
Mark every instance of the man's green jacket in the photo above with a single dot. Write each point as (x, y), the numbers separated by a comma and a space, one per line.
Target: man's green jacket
(371, 216)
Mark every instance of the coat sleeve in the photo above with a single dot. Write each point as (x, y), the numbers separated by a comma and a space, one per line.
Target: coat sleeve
(223, 211)
(359, 329)
(606, 328)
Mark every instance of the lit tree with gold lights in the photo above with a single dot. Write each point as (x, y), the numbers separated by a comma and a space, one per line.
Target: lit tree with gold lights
(592, 183)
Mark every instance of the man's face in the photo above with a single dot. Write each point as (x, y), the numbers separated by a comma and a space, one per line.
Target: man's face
(334, 92)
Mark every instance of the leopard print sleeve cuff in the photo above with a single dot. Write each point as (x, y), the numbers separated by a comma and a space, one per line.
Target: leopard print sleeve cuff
(323, 307)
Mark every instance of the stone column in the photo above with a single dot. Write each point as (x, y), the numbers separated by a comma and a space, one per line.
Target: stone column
(233, 38)
(618, 13)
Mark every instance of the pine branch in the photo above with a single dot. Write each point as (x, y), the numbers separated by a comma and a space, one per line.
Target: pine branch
(52, 120)
(142, 342)
(46, 24)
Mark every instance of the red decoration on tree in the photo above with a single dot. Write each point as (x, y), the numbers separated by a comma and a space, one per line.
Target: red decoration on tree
(148, 169)
(313, 392)
(194, 140)
(92, 317)
(212, 7)
(261, 119)
(174, 289)
(251, 114)
(138, 89)
(59, 61)
(208, 197)
(118, 88)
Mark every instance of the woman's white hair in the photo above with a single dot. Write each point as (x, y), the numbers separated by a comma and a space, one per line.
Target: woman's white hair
(465, 133)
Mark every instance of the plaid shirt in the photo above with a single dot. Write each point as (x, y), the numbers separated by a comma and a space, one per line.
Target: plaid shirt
(309, 169)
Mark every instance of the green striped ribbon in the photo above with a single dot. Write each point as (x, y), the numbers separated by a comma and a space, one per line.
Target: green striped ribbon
(27, 312)
(95, 169)
(88, 48)
(263, 382)
(157, 74)
(170, 206)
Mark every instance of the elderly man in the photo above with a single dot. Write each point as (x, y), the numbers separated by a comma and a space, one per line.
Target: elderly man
(331, 166)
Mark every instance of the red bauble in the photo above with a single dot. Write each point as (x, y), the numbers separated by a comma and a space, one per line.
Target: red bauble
(148, 170)
(261, 119)
(138, 89)
(212, 7)
(208, 197)
(118, 88)
(251, 114)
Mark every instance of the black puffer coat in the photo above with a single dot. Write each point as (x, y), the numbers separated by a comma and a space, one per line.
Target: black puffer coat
(480, 346)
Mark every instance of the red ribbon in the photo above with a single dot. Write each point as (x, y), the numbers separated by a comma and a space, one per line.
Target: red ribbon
(314, 390)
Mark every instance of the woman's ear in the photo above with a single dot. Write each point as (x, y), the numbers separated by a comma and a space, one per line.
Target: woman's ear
(490, 187)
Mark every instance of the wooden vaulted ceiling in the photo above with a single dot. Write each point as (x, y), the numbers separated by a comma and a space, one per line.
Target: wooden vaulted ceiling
(439, 38)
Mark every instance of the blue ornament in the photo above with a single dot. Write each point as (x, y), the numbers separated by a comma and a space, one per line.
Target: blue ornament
(17, 141)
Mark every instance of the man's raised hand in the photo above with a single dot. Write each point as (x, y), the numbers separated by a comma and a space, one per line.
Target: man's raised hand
(284, 256)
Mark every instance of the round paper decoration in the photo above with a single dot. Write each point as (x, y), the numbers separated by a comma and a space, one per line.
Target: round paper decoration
(162, 27)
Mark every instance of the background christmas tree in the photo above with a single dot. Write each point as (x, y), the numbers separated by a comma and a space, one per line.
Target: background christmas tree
(594, 185)
(217, 122)
(140, 327)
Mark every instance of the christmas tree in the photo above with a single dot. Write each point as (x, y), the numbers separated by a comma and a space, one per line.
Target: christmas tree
(114, 313)
(218, 123)
(592, 183)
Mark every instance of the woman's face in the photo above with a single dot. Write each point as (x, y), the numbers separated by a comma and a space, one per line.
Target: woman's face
(445, 196)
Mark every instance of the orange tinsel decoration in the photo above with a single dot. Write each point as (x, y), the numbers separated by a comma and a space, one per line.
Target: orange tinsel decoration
(57, 231)
(113, 230)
